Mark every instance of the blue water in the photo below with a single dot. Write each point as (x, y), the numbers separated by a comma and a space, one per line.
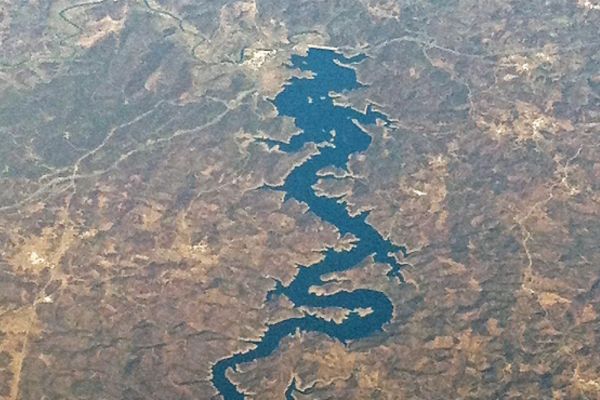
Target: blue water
(316, 120)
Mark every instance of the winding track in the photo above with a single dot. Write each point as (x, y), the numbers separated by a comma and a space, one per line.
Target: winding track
(317, 118)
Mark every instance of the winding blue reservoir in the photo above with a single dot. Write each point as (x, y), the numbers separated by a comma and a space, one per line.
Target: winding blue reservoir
(336, 129)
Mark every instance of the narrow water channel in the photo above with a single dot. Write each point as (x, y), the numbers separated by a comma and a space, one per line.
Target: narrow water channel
(335, 129)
